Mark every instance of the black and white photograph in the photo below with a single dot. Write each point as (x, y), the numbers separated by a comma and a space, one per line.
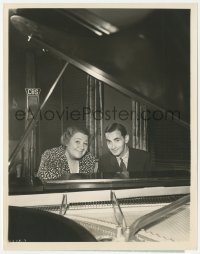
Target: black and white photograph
(100, 103)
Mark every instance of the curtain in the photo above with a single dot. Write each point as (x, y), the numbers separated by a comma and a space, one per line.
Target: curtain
(94, 120)
(139, 126)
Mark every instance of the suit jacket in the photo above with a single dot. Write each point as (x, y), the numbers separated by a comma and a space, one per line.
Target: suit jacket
(139, 163)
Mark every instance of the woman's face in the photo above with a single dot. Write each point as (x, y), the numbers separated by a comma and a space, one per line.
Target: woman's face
(77, 146)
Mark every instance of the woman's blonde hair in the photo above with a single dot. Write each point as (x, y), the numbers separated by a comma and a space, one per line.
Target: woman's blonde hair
(70, 131)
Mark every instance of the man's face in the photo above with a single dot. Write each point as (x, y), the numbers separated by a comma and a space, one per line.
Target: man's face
(117, 144)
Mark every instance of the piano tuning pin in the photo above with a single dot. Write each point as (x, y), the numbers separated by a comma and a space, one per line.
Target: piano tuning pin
(45, 50)
(29, 37)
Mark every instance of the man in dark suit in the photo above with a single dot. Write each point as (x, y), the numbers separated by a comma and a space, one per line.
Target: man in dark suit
(122, 161)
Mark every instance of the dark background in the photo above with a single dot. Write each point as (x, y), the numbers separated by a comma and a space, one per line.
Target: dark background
(150, 56)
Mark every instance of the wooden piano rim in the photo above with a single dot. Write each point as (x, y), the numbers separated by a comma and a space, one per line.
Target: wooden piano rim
(96, 184)
(111, 180)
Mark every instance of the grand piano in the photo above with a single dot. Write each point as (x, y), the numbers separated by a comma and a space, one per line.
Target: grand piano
(86, 60)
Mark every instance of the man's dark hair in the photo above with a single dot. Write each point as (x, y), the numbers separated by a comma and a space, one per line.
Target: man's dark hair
(116, 126)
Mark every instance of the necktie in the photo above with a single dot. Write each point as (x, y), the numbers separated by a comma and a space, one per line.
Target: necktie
(122, 165)
(124, 172)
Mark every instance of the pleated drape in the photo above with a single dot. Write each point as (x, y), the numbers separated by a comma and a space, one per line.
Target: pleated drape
(94, 120)
(139, 126)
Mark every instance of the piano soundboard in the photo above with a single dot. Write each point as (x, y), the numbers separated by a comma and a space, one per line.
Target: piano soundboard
(95, 212)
